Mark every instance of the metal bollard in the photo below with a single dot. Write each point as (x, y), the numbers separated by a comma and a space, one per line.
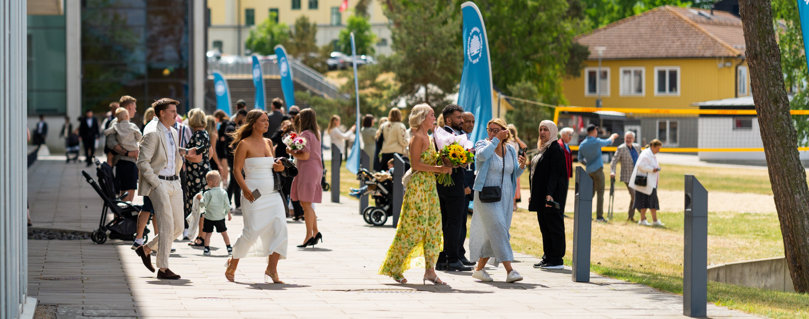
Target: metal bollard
(398, 188)
(582, 226)
(336, 162)
(695, 257)
(364, 163)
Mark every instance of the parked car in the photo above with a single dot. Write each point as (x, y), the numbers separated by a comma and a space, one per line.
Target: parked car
(338, 60)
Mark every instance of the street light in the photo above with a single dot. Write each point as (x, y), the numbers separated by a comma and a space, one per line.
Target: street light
(600, 51)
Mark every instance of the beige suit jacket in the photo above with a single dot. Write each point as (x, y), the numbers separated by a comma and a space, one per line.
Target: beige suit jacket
(153, 157)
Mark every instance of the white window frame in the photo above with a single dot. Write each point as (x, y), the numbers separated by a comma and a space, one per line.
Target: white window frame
(679, 76)
(642, 80)
(746, 85)
(666, 142)
(606, 91)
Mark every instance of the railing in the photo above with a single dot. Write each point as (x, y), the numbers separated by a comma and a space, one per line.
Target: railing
(301, 73)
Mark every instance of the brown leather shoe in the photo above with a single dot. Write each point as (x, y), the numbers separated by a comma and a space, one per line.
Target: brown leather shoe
(168, 274)
(146, 258)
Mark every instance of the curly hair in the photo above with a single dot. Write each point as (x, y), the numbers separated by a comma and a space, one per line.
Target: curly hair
(418, 114)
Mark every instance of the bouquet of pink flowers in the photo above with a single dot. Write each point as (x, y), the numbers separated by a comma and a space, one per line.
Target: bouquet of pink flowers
(294, 141)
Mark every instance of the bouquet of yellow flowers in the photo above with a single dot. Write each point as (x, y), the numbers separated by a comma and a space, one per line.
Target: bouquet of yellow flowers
(457, 156)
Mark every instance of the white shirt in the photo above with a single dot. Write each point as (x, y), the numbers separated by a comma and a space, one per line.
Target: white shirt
(171, 147)
(89, 122)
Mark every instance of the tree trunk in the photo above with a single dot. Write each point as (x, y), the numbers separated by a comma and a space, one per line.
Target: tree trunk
(787, 174)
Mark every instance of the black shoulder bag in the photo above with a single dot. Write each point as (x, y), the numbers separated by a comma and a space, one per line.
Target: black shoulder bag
(491, 194)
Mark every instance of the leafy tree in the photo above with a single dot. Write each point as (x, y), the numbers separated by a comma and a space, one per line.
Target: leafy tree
(603, 12)
(301, 45)
(787, 174)
(793, 61)
(364, 39)
(427, 48)
(526, 116)
(361, 9)
(264, 37)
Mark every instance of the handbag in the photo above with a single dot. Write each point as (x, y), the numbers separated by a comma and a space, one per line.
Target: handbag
(640, 180)
(290, 170)
(491, 194)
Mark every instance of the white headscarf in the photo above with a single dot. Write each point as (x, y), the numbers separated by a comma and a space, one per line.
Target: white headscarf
(554, 131)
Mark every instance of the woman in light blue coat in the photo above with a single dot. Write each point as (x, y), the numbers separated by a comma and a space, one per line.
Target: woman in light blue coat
(498, 165)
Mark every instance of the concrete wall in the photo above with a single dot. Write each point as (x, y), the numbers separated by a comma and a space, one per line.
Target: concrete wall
(770, 273)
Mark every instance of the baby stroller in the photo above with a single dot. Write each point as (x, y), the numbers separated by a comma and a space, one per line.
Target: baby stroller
(380, 187)
(124, 224)
(72, 147)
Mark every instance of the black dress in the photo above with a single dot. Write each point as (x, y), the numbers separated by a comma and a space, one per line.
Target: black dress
(549, 177)
(195, 181)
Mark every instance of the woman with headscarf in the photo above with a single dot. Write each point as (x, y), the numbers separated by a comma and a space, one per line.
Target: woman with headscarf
(489, 237)
(548, 183)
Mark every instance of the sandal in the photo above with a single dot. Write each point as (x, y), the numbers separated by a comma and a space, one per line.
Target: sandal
(198, 242)
(400, 279)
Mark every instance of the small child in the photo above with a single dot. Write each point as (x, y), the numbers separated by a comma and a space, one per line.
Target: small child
(215, 205)
(127, 133)
(391, 165)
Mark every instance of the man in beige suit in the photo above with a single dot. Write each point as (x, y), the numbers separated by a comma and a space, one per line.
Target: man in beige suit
(159, 163)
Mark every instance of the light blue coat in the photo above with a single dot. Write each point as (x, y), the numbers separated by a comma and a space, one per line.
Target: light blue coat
(484, 150)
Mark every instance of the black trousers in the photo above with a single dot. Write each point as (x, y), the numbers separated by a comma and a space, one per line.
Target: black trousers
(453, 223)
(89, 148)
(552, 227)
(234, 191)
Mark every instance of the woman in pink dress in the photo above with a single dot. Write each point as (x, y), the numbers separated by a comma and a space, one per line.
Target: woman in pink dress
(306, 186)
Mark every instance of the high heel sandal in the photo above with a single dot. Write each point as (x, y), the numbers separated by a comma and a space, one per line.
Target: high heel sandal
(268, 276)
(310, 241)
(319, 236)
(400, 279)
(230, 273)
(435, 280)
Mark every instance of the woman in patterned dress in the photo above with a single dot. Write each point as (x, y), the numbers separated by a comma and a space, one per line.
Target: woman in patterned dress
(197, 165)
(419, 229)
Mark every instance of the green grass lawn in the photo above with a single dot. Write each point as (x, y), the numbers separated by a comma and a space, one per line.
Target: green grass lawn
(725, 179)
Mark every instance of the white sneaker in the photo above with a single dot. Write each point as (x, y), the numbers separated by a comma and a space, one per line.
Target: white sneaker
(482, 275)
(513, 276)
(644, 223)
(658, 223)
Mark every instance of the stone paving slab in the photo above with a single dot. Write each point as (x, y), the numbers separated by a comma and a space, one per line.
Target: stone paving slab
(336, 279)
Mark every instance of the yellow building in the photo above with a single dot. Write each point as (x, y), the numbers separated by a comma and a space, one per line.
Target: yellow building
(230, 21)
(669, 57)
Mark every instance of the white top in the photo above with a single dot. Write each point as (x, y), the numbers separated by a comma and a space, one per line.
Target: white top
(646, 164)
(171, 150)
(339, 138)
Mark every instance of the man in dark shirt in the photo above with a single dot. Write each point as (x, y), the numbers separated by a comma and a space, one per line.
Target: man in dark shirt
(453, 204)
(89, 131)
(275, 115)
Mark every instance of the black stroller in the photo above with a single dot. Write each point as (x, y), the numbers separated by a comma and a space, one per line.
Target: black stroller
(380, 187)
(124, 224)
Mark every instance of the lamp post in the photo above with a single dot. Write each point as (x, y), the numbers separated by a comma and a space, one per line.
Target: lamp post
(600, 52)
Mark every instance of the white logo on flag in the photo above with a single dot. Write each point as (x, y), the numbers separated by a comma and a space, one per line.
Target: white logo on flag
(475, 45)
(284, 66)
(220, 89)
(256, 72)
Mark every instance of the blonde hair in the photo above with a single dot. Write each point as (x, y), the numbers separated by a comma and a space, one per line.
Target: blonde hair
(196, 118)
(439, 121)
(213, 177)
(513, 131)
(418, 114)
(500, 122)
(121, 114)
(210, 125)
(148, 115)
(382, 121)
(332, 123)
(395, 115)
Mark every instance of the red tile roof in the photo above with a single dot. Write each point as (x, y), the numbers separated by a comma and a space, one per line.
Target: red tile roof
(669, 32)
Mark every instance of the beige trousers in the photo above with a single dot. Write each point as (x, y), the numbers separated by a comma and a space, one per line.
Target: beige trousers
(167, 199)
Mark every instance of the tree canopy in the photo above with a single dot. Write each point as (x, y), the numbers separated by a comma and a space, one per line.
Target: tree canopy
(364, 39)
(265, 36)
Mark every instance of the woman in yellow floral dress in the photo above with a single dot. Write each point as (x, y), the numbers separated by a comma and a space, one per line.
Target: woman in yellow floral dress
(419, 229)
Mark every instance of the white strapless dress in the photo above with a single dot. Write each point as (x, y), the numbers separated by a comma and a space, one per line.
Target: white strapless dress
(265, 226)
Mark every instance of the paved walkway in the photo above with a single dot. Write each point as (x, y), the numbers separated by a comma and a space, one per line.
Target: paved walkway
(336, 279)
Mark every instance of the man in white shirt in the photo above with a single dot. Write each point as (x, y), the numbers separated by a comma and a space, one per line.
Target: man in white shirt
(159, 163)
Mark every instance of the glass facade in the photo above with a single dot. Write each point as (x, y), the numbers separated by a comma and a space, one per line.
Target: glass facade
(46, 65)
(134, 47)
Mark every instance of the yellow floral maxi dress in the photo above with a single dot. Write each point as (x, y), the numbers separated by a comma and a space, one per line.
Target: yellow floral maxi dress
(419, 230)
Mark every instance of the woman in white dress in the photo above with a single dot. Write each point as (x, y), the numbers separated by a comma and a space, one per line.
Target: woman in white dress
(265, 229)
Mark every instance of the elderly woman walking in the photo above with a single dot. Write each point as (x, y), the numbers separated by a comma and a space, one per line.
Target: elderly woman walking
(489, 237)
(548, 193)
(626, 154)
(644, 182)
